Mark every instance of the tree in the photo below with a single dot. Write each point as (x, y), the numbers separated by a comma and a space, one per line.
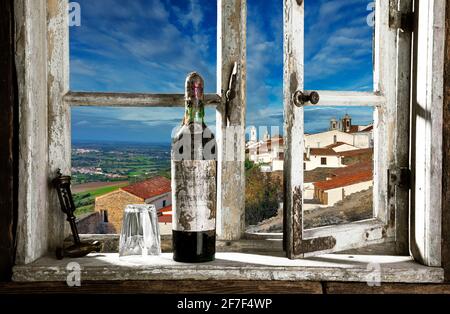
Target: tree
(263, 195)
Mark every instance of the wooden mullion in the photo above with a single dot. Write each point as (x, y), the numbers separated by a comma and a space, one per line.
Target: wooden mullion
(230, 121)
(132, 99)
(293, 130)
(293, 241)
(349, 99)
(59, 122)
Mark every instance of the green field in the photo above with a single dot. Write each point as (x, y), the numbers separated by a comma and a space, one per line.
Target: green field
(85, 201)
(119, 162)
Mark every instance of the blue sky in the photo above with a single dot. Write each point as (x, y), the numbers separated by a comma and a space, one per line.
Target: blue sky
(150, 46)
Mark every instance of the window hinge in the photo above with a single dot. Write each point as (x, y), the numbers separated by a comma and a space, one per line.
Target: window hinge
(400, 177)
(401, 20)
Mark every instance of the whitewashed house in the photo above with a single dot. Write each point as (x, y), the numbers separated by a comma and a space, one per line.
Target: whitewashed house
(360, 139)
(360, 136)
(268, 153)
(340, 183)
(321, 158)
(331, 191)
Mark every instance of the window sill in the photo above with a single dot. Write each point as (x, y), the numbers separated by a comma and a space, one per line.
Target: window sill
(233, 266)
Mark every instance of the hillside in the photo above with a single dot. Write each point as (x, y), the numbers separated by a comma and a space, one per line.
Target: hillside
(355, 207)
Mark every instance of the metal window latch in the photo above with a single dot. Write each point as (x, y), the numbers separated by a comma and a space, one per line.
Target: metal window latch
(231, 92)
(400, 177)
(300, 98)
(402, 21)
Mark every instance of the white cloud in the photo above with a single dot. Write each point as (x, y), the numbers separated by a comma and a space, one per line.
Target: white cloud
(128, 55)
(193, 16)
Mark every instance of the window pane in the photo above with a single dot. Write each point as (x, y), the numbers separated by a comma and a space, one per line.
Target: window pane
(113, 149)
(338, 164)
(338, 44)
(264, 148)
(338, 56)
(143, 45)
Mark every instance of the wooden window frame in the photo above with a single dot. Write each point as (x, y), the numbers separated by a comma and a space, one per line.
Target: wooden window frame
(42, 62)
(388, 223)
(393, 81)
(47, 73)
(230, 49)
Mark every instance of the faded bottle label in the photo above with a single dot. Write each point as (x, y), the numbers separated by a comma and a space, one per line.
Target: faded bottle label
(194, 197)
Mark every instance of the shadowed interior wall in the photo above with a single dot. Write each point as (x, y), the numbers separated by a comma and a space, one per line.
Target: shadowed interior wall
(8, 141)
(446, 155)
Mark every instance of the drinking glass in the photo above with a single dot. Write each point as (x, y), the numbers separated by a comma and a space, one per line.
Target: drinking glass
(140, 231)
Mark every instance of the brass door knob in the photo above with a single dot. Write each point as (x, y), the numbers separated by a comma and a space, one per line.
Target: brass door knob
(300, 98)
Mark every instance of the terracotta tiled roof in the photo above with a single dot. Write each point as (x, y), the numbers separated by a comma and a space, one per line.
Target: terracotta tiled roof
(354, 129)
(346, 180)
(351, 153)
(149, 188)
(368, 129)
(165, 209)
(323, 152)
(166, 216)
(352, 169)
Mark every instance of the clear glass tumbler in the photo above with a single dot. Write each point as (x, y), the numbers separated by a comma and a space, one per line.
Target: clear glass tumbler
(140, 231)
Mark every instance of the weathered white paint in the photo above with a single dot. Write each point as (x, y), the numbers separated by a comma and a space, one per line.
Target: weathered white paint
(42, 57)
(230, 122)
(234, 266)
(132, 99)
(386, 124)
(349, 99)
(427, 134)
(401, 199)
(31, 64)
(350, 236)
(293, 121)
(59, 136)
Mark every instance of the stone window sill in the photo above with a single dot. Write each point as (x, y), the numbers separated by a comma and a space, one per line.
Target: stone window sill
(234, 266)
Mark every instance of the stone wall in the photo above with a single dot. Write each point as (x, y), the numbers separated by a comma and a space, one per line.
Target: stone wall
(93, 224)
(114, 203)
(88, 224)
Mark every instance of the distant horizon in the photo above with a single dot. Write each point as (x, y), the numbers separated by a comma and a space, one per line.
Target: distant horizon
(112, 141)
(308, 130)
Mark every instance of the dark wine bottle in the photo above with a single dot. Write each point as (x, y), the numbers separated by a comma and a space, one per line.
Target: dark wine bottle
(194, 169)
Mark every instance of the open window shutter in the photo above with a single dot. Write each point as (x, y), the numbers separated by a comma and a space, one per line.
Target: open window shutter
(295, 244)
(427, 102)
(390, 221)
